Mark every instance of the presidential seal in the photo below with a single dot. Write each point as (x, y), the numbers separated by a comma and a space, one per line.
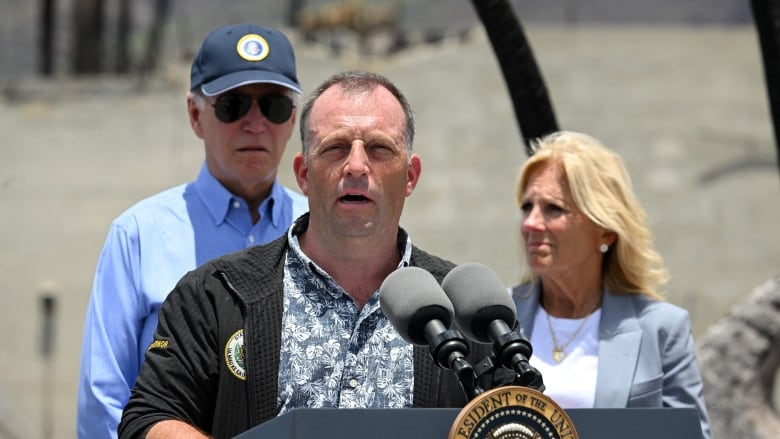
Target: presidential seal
(512, 412)
(252, 47)
(234, 354)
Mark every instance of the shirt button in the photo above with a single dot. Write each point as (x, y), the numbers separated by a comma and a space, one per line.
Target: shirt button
(353, 383)
(236, 204)
(251, 239)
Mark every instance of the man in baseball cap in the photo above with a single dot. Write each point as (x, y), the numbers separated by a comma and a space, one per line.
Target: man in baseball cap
(242, 104)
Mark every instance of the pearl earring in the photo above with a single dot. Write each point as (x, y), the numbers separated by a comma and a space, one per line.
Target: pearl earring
(604, 248)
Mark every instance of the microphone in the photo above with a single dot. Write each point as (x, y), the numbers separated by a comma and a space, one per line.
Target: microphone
(420, 311)
(486, 313)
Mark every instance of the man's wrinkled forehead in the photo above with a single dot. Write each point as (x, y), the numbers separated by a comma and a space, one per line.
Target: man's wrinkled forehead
(377, 107)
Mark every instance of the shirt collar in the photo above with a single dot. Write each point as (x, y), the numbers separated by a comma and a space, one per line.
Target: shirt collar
(218, 198)
(403, 241)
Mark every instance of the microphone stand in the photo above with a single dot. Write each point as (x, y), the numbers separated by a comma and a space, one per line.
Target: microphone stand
(449, 349)
(511, 350)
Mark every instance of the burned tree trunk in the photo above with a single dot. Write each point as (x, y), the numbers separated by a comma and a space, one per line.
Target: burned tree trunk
(739, 357)
(296, 6)
(766, 14)
(46, 54)
(533, 108)
(88, 36)
(154, 43)
(124, 26)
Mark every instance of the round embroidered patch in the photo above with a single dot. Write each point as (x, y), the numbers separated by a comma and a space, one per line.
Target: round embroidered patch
(252, 47)
(234, 354)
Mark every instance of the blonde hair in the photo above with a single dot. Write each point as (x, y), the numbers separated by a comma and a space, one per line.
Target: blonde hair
(602, 190)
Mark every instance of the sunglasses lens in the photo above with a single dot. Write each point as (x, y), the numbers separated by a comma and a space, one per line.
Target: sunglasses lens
(276, 108)
(230, 108)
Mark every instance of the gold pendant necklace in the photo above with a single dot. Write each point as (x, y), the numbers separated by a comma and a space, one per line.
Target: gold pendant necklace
(559, 351)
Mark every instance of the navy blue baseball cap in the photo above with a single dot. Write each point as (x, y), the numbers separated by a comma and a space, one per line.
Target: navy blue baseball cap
(241, 54)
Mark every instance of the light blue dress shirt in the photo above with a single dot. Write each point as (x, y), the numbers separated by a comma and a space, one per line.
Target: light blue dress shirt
(148, 249)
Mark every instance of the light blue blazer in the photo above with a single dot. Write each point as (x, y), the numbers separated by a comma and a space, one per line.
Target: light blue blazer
(647, 356)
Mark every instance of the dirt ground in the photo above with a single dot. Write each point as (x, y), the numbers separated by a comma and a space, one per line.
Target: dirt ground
(685, 107)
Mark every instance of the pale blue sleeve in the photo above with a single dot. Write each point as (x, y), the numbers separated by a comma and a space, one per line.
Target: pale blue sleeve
(110, 353)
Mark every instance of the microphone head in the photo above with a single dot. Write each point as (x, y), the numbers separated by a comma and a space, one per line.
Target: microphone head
(479, 298)
(411, 297)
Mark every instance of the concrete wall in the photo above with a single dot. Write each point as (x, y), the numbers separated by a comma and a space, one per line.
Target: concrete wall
(686, 108)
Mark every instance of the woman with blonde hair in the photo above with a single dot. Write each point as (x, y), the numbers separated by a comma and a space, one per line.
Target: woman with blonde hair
(590, 298)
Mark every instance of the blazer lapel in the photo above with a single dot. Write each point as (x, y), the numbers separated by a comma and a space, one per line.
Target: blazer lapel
(619, 339)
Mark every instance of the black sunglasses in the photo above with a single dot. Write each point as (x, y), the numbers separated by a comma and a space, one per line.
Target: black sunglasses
(233, 106)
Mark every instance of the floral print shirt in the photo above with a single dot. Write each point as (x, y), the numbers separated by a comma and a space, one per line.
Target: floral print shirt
(334, 355)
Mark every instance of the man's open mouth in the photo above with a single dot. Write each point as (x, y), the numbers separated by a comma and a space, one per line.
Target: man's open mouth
(352, 198)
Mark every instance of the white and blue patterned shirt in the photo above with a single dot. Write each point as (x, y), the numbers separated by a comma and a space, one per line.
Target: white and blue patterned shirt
(334, 355)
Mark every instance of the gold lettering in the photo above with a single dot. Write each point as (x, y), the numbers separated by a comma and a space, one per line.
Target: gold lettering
(470, 421)
(499, 400)
(538, 403)
(158, 344)
(560, 424)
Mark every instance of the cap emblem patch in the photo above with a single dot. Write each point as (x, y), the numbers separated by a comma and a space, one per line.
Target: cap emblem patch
(252, 47)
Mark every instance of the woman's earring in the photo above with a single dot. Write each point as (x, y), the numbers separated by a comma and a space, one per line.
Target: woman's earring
(604, 248)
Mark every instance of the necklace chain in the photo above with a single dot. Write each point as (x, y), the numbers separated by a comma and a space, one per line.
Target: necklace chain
(559, 351)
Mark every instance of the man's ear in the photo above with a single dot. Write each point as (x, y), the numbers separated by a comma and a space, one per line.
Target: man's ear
(413, 173)
(301, 172)
(195, 116)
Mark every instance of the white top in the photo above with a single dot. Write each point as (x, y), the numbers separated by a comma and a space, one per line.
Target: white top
(572, 382)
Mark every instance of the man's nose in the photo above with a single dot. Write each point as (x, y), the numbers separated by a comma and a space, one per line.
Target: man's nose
(254, 120)
(357, 160)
